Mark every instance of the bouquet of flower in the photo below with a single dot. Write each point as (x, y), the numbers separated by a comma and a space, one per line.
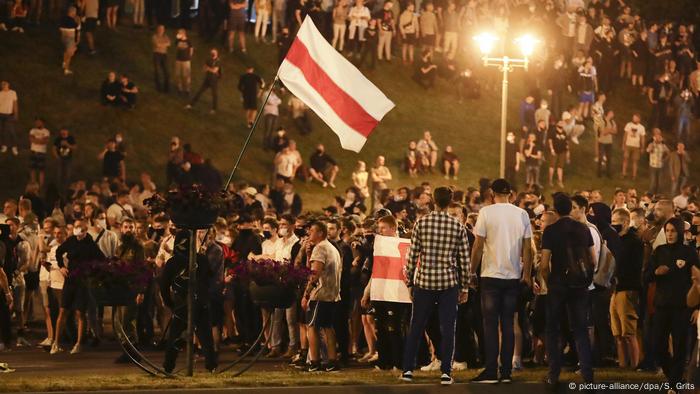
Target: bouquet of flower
(189, 206)
(115, 279)
(269, 272)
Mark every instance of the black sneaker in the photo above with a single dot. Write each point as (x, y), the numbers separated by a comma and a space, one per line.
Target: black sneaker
(486, 378)
(332, 367)
(552, 385)
(446, 380)
(313, 367)
(407, 376)
(505, 378)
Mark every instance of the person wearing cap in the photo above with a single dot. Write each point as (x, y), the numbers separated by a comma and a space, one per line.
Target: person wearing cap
(251, 206)
(503, 251)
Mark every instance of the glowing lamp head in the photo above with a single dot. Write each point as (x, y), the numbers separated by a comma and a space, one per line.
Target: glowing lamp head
(527, 44)
(486, 42)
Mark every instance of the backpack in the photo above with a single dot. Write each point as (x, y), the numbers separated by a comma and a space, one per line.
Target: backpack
(606, 265)
(578, 268)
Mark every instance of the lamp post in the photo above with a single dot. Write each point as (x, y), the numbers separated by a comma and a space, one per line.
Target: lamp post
(506, 64)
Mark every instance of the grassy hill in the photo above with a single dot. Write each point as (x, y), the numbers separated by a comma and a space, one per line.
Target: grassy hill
(32, 63)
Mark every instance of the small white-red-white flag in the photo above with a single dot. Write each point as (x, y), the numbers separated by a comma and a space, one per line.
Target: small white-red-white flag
(388, 274)
(333, 87)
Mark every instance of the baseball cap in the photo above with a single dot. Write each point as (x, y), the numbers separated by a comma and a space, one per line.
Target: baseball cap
(500, 186)
(250, 191)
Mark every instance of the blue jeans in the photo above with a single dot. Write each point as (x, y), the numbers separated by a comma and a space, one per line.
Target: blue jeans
(683, 128)
(423, 303)
(575, 302)
(499, 299)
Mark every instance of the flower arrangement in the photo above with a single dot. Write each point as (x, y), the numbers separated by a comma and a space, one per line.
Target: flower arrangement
(269, 272)
(114, 281)
(189, 206)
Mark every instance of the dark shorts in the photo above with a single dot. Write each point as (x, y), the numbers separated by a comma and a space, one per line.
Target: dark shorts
(429, 40)
(586, 97)
(321, 314)
(37, 161)
(75, 296)
(250, 103)
(236, 21)
(90, 25)
(410, 39)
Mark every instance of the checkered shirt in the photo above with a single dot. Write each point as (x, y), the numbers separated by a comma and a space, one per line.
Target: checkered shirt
(439, 254)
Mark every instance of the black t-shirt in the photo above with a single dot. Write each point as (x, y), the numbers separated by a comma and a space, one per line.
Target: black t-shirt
(386, 20)
(532, 159)
(183, 50)
(556, 237)
(672, 288)
(111, 163)
(320, 162)
(559, 142)
(249, 84)
(214, 63)
(69, 23)
(63, 145)
(371, 35)
(628, 264)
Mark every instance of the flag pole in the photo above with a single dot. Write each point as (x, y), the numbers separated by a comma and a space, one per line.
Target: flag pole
(250, 133)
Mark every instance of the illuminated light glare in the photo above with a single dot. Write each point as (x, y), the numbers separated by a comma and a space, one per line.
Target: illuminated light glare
(485, 41)
(527, 44)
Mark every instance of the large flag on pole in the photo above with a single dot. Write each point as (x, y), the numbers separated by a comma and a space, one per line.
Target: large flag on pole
(388, 274)
(333, 87)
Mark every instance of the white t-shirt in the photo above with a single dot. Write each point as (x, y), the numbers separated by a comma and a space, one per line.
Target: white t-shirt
(596, 247)
(359, 17)
(680, 201)
(269, 247)
(7, 99)
(328, 288)
(55, 276)
(634, 139)
(286, 164)
(503, 227)
(118, 213)
(284, 248)
(39, 133)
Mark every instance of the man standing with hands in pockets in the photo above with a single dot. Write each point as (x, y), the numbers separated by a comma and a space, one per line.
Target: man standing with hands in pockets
(440, 243)
(503, 234)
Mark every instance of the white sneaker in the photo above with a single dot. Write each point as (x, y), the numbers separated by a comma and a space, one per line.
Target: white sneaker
(3, 27)
(22, 342)
(3, 149)
(457, 366)
(574, 139)
(55, 348)
(15, 151)
(433, 366)
(374, 357)
(76, 349)
(67, 71)
(46, 342)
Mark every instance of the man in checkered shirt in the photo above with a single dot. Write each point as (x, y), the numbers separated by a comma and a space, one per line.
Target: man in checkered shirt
(440, 243)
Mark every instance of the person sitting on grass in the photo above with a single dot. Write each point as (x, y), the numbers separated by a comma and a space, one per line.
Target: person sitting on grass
(426, 70)
(127, 96)
(110, 90)
(323, 167)
(450, 163)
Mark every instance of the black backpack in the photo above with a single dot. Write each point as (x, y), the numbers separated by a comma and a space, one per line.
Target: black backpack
(578, 267)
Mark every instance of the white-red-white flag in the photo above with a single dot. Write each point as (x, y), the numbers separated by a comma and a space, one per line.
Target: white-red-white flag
(333, 87)
(388, 274)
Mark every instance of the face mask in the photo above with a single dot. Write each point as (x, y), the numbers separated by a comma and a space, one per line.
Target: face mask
(282, 232)
(398, 198)
(300, 232)
(617, 227)
(78, 215)
(267, 234)
(511, 139)
(127, 237)
(102, 223)
(118, 139)
(223, 239)
(77, 231)
(695, 229)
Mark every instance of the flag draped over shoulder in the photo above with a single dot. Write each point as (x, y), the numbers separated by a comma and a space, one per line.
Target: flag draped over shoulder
(388, 275)
(333, 87)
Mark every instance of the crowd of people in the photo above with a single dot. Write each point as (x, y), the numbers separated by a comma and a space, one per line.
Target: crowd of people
(512, 262)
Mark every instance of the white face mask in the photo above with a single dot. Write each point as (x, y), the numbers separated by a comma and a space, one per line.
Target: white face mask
(77, 231)
(223, 239)
(282, 232)
(102, 223)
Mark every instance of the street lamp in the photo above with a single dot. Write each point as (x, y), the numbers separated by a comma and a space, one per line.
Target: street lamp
(527, 44)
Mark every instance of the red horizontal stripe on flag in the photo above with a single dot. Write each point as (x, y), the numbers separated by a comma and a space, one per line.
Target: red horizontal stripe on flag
(386, 267)
(344, 105)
